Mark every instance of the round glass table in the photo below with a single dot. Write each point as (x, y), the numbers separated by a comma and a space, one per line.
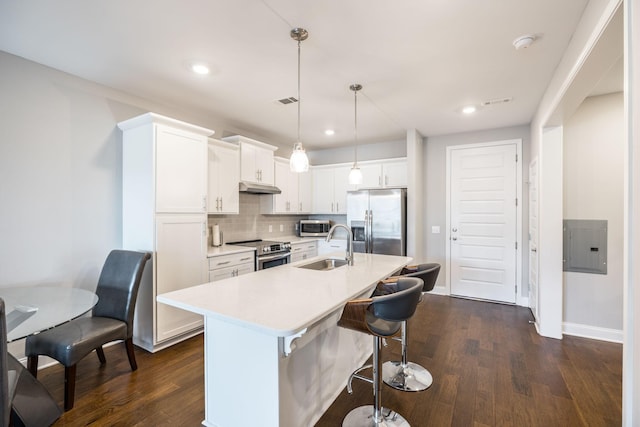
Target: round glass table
(34, 309)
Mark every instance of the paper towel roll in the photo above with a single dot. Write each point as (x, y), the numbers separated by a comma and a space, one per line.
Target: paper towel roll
(216, 235)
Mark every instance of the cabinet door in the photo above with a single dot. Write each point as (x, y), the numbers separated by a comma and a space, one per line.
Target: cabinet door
(264, 165)
(245, 269)
(181, 262)
(248, 170)
(181, 171)
(294, 187)
(371, 176)
(323, 202)
(282, 181)
(228, 166)
(340, 187)
(305, 193)
(394, 174)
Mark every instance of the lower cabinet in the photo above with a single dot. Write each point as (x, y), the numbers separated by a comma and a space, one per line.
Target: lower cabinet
(179, 261)
(303, 250)
(232, 265)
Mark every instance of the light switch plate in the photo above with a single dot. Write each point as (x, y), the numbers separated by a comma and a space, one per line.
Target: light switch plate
(435, 229)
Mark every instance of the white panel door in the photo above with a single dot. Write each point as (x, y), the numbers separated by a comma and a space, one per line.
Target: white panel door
(533, 237)
(483, 221)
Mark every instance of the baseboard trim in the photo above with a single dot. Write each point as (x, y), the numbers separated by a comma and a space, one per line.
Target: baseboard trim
(593, 332)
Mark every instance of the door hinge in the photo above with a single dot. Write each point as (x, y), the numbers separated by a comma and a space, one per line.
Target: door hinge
(516, 158)
(516, 246)
(516, 201)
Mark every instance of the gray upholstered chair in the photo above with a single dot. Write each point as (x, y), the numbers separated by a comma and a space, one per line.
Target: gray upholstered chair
(380, 316)
(111, 320)
(404, 375)
(25, 401)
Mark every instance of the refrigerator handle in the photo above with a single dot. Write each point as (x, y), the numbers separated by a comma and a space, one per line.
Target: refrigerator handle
(370, 238)
(366, 231)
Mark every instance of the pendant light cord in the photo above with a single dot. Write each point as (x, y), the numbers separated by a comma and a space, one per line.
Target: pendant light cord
(299, 101)
(355, 128)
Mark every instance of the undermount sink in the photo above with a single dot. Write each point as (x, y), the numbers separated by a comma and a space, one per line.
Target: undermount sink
(324, 264)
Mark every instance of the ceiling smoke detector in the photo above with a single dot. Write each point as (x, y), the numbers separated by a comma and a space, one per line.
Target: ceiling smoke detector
(524, 42)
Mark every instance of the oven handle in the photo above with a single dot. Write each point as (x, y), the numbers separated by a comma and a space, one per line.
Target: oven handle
(272, 257)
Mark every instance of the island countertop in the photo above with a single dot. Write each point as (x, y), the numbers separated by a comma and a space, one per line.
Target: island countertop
(284, 300)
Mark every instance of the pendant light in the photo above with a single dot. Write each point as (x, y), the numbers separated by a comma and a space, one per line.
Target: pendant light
(299, 162)
(355, 175)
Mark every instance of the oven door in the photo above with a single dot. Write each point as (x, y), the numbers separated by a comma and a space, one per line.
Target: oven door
(269, 261)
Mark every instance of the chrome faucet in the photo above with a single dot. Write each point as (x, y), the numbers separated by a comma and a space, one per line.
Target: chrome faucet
(349, 254)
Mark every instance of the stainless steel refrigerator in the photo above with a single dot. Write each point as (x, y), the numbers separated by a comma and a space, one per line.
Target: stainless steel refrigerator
(378, 220)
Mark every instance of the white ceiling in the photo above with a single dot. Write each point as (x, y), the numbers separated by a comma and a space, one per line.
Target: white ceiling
(419, 61)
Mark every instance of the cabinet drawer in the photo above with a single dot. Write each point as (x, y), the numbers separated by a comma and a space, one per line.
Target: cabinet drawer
(223, 261)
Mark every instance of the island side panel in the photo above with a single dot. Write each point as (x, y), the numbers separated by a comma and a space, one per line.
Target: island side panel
(317, 370)
(241, 376)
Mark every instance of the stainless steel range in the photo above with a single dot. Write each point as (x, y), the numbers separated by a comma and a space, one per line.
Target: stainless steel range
(268, 253)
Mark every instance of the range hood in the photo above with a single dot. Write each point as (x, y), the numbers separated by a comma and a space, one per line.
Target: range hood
(253, 188)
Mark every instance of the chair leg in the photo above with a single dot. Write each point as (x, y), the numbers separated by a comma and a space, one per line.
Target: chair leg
(32, 365)
(69, 386)
(100, 353)
(128, 343)
(403, 375)
(375, 415)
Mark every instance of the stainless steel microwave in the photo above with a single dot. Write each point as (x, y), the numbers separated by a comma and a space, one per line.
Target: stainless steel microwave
(314, 227)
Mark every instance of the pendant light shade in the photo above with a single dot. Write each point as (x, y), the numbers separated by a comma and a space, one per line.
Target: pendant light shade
(355, 175)
(299, 162)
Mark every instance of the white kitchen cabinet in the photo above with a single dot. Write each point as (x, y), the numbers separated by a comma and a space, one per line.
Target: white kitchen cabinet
(303, 250)
(224, 175)
(232, 265)
(296, 191)
(164, 182)
(384, 174)
(256, 160)
(330, 186)
(181, 252)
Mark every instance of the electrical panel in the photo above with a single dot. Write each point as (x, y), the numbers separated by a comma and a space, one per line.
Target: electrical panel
(585, 246)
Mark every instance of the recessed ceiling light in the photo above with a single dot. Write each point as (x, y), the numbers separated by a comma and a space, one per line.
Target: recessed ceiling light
(469, 109)
(200, 68)
(329, 132)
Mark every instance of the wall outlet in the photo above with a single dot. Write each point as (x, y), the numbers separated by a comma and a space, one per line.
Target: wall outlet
(270, 228)
(281, 227)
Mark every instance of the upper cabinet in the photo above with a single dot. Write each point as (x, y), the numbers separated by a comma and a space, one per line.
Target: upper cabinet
(224, 175)
(296, 191)
(256, 160)
(170, 158)
(384, 174)
(330, 186)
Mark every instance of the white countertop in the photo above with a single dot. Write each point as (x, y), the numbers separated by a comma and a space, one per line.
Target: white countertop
(284, 300)
(227, 250)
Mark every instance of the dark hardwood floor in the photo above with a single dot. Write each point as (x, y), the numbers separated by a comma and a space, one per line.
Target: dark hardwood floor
(490, 368)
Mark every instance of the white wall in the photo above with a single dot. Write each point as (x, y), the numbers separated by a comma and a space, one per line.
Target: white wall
(434, 206)
(594, 189)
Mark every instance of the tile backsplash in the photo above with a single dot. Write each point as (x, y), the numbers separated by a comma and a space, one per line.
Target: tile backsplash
(251, 224)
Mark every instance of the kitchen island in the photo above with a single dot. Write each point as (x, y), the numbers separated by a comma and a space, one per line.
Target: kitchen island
(274, 356)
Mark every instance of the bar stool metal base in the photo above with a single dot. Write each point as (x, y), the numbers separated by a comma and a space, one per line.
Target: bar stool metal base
(362, 416)
(410, 377)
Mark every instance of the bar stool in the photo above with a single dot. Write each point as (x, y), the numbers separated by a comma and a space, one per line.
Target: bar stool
(403, 375)
(380, 316)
